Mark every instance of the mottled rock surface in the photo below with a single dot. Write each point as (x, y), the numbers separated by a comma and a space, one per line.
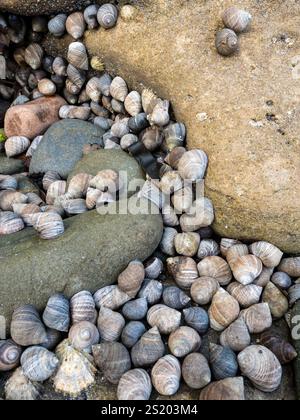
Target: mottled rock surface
(9, 166)
(35, 7)
(62, 146)
(33, 118)
(242, 110)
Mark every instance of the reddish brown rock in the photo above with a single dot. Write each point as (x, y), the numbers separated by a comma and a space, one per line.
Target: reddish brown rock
(33, 118)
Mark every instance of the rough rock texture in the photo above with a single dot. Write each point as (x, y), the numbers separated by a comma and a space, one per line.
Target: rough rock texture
(296, 334)
(116, 160)
(9, 166)
(62, 145)
(242, 110)
(33, 118)
(35, 7)
(92, 252)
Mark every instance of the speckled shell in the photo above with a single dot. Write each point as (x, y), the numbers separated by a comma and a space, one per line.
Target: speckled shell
(49, 225)
(184, 271)
(223, 362)
(223, 311)
(283, 350)
(38, 363)
(153, 268)
(204, 289)
(131, 279)
(166, 374)
(281, 280)
(227, 42)
(90, 16)
(132, 332)
(230, 389)
(82, 307)
(236, 336)
(164, 318)
(19, 388)
(192, 166)
(216, 268)
(183, 341)
(110, 324)
(195, 371)
(246, 295)
(111, 297)
(258, 318)
(135, 385)
(152, 290)
(262, 367)
(208, 248)
(75, 25)
(148, 349)
(77, 56)
(57, 25)
(107, 16)
(269, 254)
(10, 223)
(200, 214)
(10, 354)
(196, 318)
(26, 327)
(246, 268)
(16, 145)
(276, 300)
(34, 56)
(76, 371)
(57, 313)
(175, 298)
(113, 360)
(236, 19)
(83, 336)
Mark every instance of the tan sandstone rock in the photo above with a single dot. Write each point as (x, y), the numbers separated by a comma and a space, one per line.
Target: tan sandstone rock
(242, 110)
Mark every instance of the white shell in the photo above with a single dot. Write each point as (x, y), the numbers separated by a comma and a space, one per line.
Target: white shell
(119, 89)
(193, 164)
(16, 145)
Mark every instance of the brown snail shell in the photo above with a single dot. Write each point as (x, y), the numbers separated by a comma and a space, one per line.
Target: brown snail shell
(106, 181)
(76, 371)
(196, 318)
(204, 289)
(258, 318)
(79, 185)
(183, 341)
(135, 385)
(195, 371)
(38, 363)
(111, 297)
(223, 311)
(185, 271)
(236, 251)
(90, 16)
(230, 389)
(131, 279)
(92, 195)
(236, 336)
(16, 145)
(72, 89)
(246, 295)
(83, 336)
(236, 19)
(166, 374)
(47, 87)
(269, 254)
(246, 268)
(10, 223)
(119, 89)
(132, 332)
(226, 244)
(153, 268)
(57, 25)
(160, 115)
(82, 308)
(283, 350)
(107, 16)
(223, 362)
(77, 56)
(110, 324)
(290, 266)
(175, 298)
(264, 278)
(9, 198)
(55, 190)
(164, 318)
(148, 349)
(57, 313)
(49, 178)
(227, 42)
(152, 290)
(281, 280)
(19, 388)
(152, 138)
(133, 103)
(26, 327)
(216, 268)
(174, 156)
(262, 367)
(49, 225)
(193, 164)
(75, 25)
(208, 248)
(76, 76)
(10, 354)
(34, 56)
(113, 360)
(59, 66)
(276, 300)
(149, 101)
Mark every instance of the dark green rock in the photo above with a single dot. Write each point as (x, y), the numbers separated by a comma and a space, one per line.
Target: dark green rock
(9, 166)
(62, 145)
(296, 337)
(92, 252)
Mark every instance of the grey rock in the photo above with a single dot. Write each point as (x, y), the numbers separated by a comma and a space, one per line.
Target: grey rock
(9, 166)
(62, 145)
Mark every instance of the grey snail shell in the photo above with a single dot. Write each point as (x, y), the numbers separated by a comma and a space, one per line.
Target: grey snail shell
(135, 385)
(26, 327)
(166, 374)
(111, 297)
(236, 336)
(77, 56)
(183, 341)
(90, 16)
(175, 298)
(57, 313)
(82, 308)
(281, 280)
(110, 324)
(38, 363)
(227, 42)
(152, 290)
(57, 25)
(107, 16)
(223, 362)
(197, 318)
(195, 371)
(153, 268)
(135, 310)
(230, 389)
(236, 19)
(83, 336)
(10, 354)
(164, 318)
(148, 349)
(132, 332)
(75, 25)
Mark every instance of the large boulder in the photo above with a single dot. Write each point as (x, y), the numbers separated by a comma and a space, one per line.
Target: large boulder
(242, 110)
(36, 7)
(92, 252)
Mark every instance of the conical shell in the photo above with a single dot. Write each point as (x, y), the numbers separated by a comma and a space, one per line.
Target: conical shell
(77, 56)
(236, 336)
(167, 244)
(226, 244)
(57, 25)
(19, 388)
(34, 56)
(216, 268)
(184, 270)
(26, 211)
(200, 214)
(128, 140)
(54, 337)
(16, 145)
(111, 297)
(246, 268)
(135, 385)
(262, 367)
(110, 324)
(276, 300)
(236, 19)
(246, 295)
(196, 318)
(131, 279)
(223, 362)
(290, 266)
(82, 307)
(57, 313)
(175, 298)
(269, 254)
(10, 223)
(166, 374)
(187, 243)
(148, 349)
(90, 16)
(135, 310)
(164, 318)
(204, 289)
(153, 268)
(283, 350)
(152, 290)
(183, 341)
(236, 251)
(48, 225)
(10, 354)
(119, 89)
(93, 89)
(107, 16)
(83, 336)
(227, 42)
(26, 327)
(223, 311)
(38, 364)
(75, 25)
(76, 372)
(174, 156)
(230, 389)
(78, 77)
(258, 318)
(132, 332)
(208, 248)
(195, 371)
(192, 166)
(133, 103)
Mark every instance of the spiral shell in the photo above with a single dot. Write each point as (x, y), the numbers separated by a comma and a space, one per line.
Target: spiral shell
(10, 223)
(16, 145)
(187, 244)
(34, 56)
(246, 295)
(227, 42)
(19, 388)
(48, 225)
(135, 385)
(236, 336)
(77, 56)
(131, 279)
(166, 374)
(258, 318)
(76, 206)
(151, 192)
(133, 103)
(26, 327)
(183, 341)
(111, 297)
(230, 389)
(175, 135)
(246, 268)
(148, 349)
(184, 270)
(49, 178)
(204, 289)
(55, 190)
(38, 364)
(236, 251)
(90, 16)
(290, 266)
(183, 199)
(226, 244)
(57, 313)
(153, 268)
(76, 76)
(78, 185)
(132, 332)
(193, 164)
(152, 138)
(76, 371)
(164, 318)
(208, 248)
(82, 307)
(223, 311)
(167, 244)
(196, 318)
(75, 25)
(152, 290)
(223, 362)
(283, 350)
(10, 354)
(262, 367)
(236, 19)
(59, 66)
(110, 324)
(160, 115)
(175, 298)
(83, 336)
(216, 268)
(9, 198)
(93, 89)
(269, 254)
(107, 16)
(119, 89)
(57, 25)
(281, 280)
(276, 300)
